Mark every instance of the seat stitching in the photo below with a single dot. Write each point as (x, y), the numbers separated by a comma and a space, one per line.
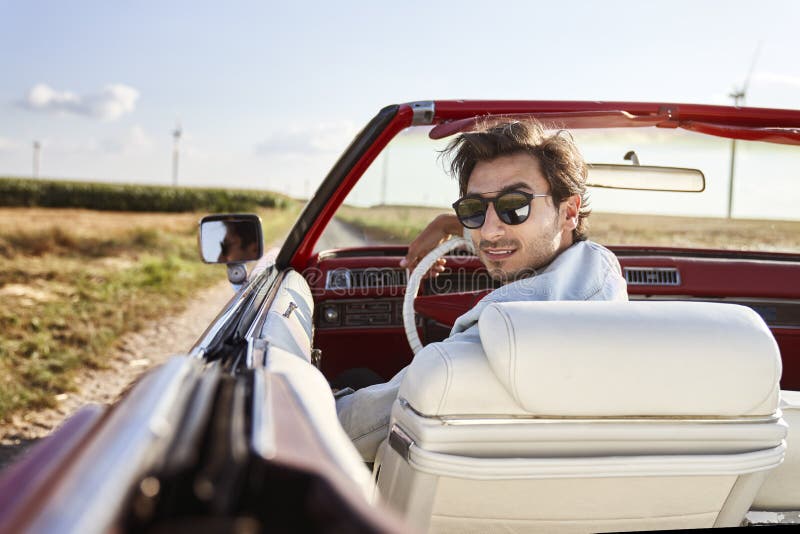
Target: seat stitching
(512, 363)
(446, 358)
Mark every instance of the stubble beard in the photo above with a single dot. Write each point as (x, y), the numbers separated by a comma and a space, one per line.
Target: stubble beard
(540, 253)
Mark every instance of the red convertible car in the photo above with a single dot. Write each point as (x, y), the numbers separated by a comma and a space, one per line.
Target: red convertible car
(676, 409)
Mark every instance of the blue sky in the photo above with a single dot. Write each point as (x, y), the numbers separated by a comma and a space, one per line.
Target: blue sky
(269, 93)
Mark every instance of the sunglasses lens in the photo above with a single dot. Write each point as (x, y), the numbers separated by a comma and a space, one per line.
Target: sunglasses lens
(471, 212)
(513, 208)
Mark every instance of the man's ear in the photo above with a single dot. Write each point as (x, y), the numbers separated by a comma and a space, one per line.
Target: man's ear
(571, 207)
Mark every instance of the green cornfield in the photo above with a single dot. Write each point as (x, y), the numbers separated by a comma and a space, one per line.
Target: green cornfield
(20, 192)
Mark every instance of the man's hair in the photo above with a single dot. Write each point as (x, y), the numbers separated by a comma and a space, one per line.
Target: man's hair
(248, 233)
(559, 159)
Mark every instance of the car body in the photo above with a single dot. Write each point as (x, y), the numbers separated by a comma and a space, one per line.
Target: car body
(242, 430)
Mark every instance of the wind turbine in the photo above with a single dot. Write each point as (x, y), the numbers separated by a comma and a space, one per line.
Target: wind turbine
(37, 150)
(176, 137)
(739, 95)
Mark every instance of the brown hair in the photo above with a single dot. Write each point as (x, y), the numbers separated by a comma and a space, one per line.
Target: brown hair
(559, 159)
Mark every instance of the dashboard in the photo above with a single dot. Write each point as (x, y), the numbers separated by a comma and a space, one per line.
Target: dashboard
(358, 295)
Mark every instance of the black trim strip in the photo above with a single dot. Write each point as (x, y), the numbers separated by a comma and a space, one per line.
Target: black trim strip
(362, 142)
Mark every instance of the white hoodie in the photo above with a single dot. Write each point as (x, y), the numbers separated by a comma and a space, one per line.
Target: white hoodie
(585, 271)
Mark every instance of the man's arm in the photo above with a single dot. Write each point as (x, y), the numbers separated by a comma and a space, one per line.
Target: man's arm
(364, 414)
(438, 231)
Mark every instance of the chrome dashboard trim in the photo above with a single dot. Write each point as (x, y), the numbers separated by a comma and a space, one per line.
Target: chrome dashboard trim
(365, 278)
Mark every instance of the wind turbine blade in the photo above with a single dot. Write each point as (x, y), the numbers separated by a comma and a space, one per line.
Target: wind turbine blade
(752, 68)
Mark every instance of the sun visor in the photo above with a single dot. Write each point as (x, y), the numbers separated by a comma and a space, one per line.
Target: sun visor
(576, 120)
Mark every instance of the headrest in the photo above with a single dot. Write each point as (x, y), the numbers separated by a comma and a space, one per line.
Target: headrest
(632, 358)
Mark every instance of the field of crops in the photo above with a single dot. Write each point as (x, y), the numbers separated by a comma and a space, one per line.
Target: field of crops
(72, 281)
(20, 192)
(399, 224)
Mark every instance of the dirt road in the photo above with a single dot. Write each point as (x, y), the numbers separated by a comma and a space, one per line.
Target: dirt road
(339, 234)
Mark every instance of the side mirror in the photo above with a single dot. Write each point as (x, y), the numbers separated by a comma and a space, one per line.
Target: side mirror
(231, 238)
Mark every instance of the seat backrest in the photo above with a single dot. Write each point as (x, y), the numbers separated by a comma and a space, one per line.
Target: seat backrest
(580, 403)
(605, 359)
(626, 359)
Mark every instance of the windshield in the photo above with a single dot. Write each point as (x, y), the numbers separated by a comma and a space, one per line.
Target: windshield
(407, 185)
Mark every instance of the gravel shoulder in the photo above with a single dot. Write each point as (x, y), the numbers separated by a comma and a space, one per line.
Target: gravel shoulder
(132, 355)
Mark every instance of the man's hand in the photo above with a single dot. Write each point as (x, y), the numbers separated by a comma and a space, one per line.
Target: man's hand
(439, 230)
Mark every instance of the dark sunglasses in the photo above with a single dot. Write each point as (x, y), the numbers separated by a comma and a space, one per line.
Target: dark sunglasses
(512, 207)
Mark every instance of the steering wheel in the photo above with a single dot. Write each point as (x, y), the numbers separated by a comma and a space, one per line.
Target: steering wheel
(414, 279)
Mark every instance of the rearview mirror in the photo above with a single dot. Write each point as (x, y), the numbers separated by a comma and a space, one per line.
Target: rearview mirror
(231, 238)
(646, 178)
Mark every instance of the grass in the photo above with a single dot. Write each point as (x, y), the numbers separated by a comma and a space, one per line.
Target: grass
(696, 232)
(400, 224)
(73, 281)
(391, 224)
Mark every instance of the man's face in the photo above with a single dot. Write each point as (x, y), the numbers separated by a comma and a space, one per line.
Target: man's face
(231, 249)
(510, 252)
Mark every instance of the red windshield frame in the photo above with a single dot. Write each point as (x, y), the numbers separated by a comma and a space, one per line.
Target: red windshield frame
(448, 110)
(765, 124)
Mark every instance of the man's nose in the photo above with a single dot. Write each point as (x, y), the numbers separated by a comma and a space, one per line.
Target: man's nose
(492, 227)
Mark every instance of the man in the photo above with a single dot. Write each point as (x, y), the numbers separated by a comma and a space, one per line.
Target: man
(240, 243)
(523, 201)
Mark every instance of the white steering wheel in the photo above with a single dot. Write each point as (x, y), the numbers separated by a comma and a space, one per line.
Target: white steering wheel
(414, 280)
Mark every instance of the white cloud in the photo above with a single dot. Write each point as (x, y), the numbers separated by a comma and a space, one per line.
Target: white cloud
(297, 140)
(774, 78)
(109, 104)
(42, 96)
(114, 101)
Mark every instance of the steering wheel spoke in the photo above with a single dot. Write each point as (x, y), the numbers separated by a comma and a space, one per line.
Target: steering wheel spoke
(414, 280)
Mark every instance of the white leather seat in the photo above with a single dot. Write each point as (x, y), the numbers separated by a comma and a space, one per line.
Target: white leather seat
(781, 489)
(587, 417)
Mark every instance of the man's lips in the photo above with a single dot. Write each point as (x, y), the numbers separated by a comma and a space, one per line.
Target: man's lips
(498, 253)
